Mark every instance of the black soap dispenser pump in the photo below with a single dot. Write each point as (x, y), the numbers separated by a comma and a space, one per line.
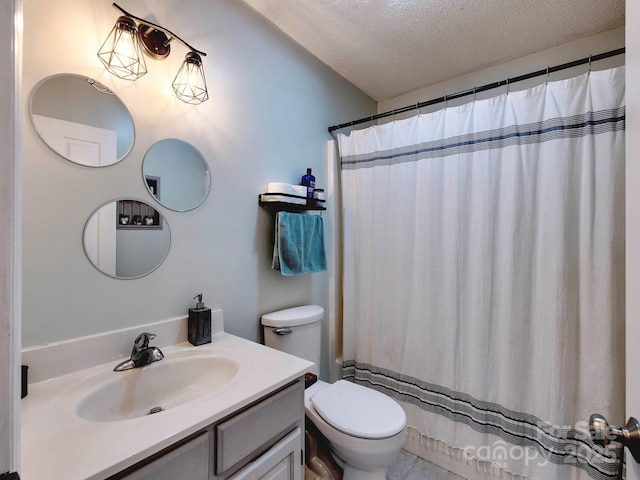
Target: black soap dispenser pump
(199, 323)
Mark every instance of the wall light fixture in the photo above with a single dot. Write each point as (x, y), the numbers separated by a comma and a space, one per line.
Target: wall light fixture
(122, 55)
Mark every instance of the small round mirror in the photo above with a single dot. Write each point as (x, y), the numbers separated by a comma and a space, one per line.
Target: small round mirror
(176, 174)
(126, 238)
(81, 120)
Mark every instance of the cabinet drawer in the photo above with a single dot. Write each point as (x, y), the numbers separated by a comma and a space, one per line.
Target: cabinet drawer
(283, 461)
(253, 431)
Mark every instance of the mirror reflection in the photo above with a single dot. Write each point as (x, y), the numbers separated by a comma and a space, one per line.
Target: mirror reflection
(126, 238)
(81, 120)
(176, 174)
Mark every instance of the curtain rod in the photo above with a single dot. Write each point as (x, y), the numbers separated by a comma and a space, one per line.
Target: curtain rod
(488, 86)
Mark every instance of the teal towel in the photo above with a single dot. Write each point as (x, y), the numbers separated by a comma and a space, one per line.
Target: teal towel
(299, 244)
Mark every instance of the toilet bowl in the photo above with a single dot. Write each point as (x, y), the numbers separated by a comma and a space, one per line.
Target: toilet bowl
(365, 428)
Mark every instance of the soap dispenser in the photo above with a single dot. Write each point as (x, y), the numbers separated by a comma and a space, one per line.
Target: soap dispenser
(199, 323)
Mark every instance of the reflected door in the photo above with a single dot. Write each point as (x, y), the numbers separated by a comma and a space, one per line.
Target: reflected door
(83, 144)
(100, 239)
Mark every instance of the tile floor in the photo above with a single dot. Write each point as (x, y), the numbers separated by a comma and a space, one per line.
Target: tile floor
(409, 467)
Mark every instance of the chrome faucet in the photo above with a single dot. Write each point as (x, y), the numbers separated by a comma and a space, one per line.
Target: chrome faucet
(142, 354)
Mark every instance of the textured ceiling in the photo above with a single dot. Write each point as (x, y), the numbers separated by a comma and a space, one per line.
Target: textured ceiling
(391, 47)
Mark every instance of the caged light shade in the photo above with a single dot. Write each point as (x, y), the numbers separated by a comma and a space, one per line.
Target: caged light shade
(120, 53)
(189, 84)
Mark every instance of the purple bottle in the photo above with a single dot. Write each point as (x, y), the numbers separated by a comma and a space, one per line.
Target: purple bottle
(309, 181)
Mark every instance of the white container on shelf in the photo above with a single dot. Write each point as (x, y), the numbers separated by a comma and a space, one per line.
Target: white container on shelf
(285, 192)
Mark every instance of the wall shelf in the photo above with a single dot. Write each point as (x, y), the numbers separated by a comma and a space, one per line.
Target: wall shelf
(268, 202)
(137, 215)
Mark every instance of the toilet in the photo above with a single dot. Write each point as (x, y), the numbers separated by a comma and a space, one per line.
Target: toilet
(365, 428)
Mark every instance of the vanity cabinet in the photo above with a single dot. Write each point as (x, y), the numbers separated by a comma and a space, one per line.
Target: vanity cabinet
(189, 461)
(261, 441)
(283, 461)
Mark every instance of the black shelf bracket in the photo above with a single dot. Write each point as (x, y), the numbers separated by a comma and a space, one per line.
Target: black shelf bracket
(273, 206)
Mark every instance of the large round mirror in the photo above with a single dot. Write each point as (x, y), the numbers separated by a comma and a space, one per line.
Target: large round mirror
(126, 238)
(176, 174)
(81, 120)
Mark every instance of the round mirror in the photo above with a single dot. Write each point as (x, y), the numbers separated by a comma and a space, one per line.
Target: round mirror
(176, 174)
(81, 120)
(126, 238)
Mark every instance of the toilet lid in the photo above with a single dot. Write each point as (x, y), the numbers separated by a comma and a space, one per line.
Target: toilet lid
(359, 411)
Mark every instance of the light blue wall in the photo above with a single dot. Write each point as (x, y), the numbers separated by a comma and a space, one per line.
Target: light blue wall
(271, 103)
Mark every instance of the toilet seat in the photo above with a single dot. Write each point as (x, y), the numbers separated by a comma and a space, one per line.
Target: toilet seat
(359, 411)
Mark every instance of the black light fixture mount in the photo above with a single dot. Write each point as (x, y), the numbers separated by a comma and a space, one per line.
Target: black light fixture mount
(154, 41)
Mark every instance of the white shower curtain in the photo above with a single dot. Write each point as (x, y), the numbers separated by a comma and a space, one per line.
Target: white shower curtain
(484, 275)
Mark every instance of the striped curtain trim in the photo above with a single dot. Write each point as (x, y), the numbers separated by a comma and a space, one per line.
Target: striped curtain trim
(586, 124)
(558, 445)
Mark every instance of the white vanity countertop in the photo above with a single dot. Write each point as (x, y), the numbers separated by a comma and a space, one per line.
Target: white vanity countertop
(57, 444)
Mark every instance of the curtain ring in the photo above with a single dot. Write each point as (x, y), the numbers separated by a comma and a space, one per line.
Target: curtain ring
(418, 107)
(507, 85)
(589, 65)
(445, 101)
(548, 76)
(474, 94)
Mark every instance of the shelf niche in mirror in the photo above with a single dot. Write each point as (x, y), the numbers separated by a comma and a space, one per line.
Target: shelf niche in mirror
(126, 249)
(81, 120)
(176, 174)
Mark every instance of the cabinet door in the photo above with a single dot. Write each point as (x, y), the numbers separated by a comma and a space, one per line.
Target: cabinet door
(250, 433)
(283, 461)
(187, 462)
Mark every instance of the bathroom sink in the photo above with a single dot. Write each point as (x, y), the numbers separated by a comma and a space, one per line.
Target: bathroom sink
(156, 387)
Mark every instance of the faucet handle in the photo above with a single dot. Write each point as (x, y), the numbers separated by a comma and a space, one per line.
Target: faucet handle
(142, 341)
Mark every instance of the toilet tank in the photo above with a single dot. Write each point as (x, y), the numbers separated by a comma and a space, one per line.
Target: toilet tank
(295, 331)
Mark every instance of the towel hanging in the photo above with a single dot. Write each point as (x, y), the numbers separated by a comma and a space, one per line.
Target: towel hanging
(299, 244)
